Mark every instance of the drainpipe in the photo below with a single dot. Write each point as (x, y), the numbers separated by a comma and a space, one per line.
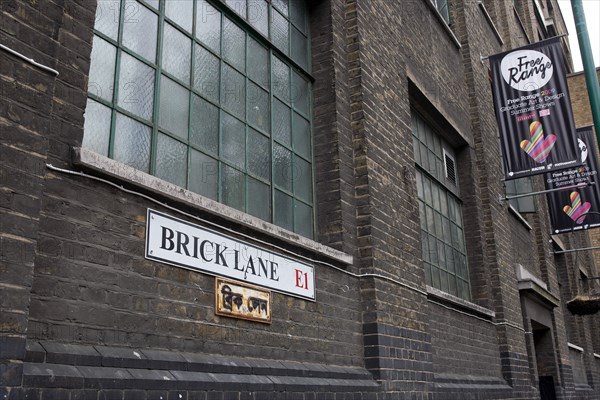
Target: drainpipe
(591, 78)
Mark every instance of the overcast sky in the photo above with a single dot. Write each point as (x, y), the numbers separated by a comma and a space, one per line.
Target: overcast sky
(592, 17)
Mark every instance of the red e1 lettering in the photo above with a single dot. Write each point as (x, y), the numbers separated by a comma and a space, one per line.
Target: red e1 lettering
(301, 279)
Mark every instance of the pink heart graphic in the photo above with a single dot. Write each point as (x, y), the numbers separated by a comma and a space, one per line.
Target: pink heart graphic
(577, 211)
(538, 148)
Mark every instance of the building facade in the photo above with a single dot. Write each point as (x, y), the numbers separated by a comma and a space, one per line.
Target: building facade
(352, 141)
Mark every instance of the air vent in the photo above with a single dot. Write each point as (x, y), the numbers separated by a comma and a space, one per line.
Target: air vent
(450, 166)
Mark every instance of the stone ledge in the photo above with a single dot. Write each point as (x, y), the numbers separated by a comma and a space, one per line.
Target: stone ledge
(107, 360)
(469, 382)
(110, 168)
(469, 307)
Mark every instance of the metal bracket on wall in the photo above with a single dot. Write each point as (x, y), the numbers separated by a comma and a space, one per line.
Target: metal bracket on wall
(518, 196)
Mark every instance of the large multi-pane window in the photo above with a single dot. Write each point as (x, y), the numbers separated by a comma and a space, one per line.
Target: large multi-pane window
(440, 211)
(211, 96)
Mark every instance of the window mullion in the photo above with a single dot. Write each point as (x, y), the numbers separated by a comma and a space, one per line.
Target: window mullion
(191, 93)
(157, 81)
(113, 122)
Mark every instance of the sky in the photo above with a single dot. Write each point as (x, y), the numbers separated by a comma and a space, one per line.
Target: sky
(592, 17)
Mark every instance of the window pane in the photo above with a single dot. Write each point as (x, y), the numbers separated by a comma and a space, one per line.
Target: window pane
(258, 16)
(450, 259)
(234, 45)
(299, 48)
(258, 107)
(280, 32)
(419, 179)
(301, 136)
(302, 179)
(107, 17)
(233, 140)
(171, 160)
(181, 12)
(259, 155)
(206, 74)
(303, 219)
(298, 14)
(435, 195)
(140, 30)
(132, 143)
(258, 63)
(239, 6)
(423, 215)
(282, 167)
(96, 127)
(174, 108)
(425, 246)
(283, 211)
(233, 187)
(204, 175)
(208, 25)
(177, 52)
(233, 91)
(136, 87)
(204, 130)
(300, 94)
(102, 69)
(427, 190)
(259, 199)
(281, 80)
(282, 6)
(281, 122)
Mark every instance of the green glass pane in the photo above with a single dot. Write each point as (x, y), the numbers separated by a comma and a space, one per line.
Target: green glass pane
(433, 252)
(438, 225)
(302, 179)
(427, 191)
(282, 6)
(140, 26)
(102, 69)
(136, 87)
(425, 246)
(204, 129)
(423, 215)
(301, 136)
(96, 128)
(424, 157)
(176, 52)
(204, 175)
(107, 17)
(259, 199)
(444, 203)
(301, 94)
(233, 92)
(259, 155)
(444, 281)
(419, 179)
(233, 140)
(258, 107)
(450, 259)
(283, 210)
(447, 230)
(132, 143)
(239, 6)
(303, 219)
(258, 16)
(281, 122)
(181, 12)
(298, 14)
(208, 25)
(416, 153)
(206, 74)
(282, 167)
(233, 187)
(441, 254)
(258, 63)
(435, 278)
(174, 107)
(435, 195)
(452, 289)
(458, 213)
(280, 32)
(171, 160)
(299, 48)
(281, 79)
(234, 45)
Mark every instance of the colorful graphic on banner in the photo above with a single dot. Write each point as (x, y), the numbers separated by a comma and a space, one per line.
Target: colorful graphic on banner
(577, 208)
(533, 110)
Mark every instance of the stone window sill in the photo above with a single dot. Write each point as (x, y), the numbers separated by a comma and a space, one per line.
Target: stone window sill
(470, 308)
(107, 167)
(490, 21)
(518, 215)
(444, 24)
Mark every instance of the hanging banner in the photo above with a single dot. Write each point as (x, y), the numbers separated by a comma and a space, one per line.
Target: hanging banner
(576, 209)
(533, 110)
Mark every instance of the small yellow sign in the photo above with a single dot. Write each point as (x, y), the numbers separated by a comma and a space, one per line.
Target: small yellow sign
(238, 300)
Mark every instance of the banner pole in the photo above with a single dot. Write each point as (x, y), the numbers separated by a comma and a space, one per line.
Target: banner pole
(577, 250)
(580, 185)
(587, 58)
